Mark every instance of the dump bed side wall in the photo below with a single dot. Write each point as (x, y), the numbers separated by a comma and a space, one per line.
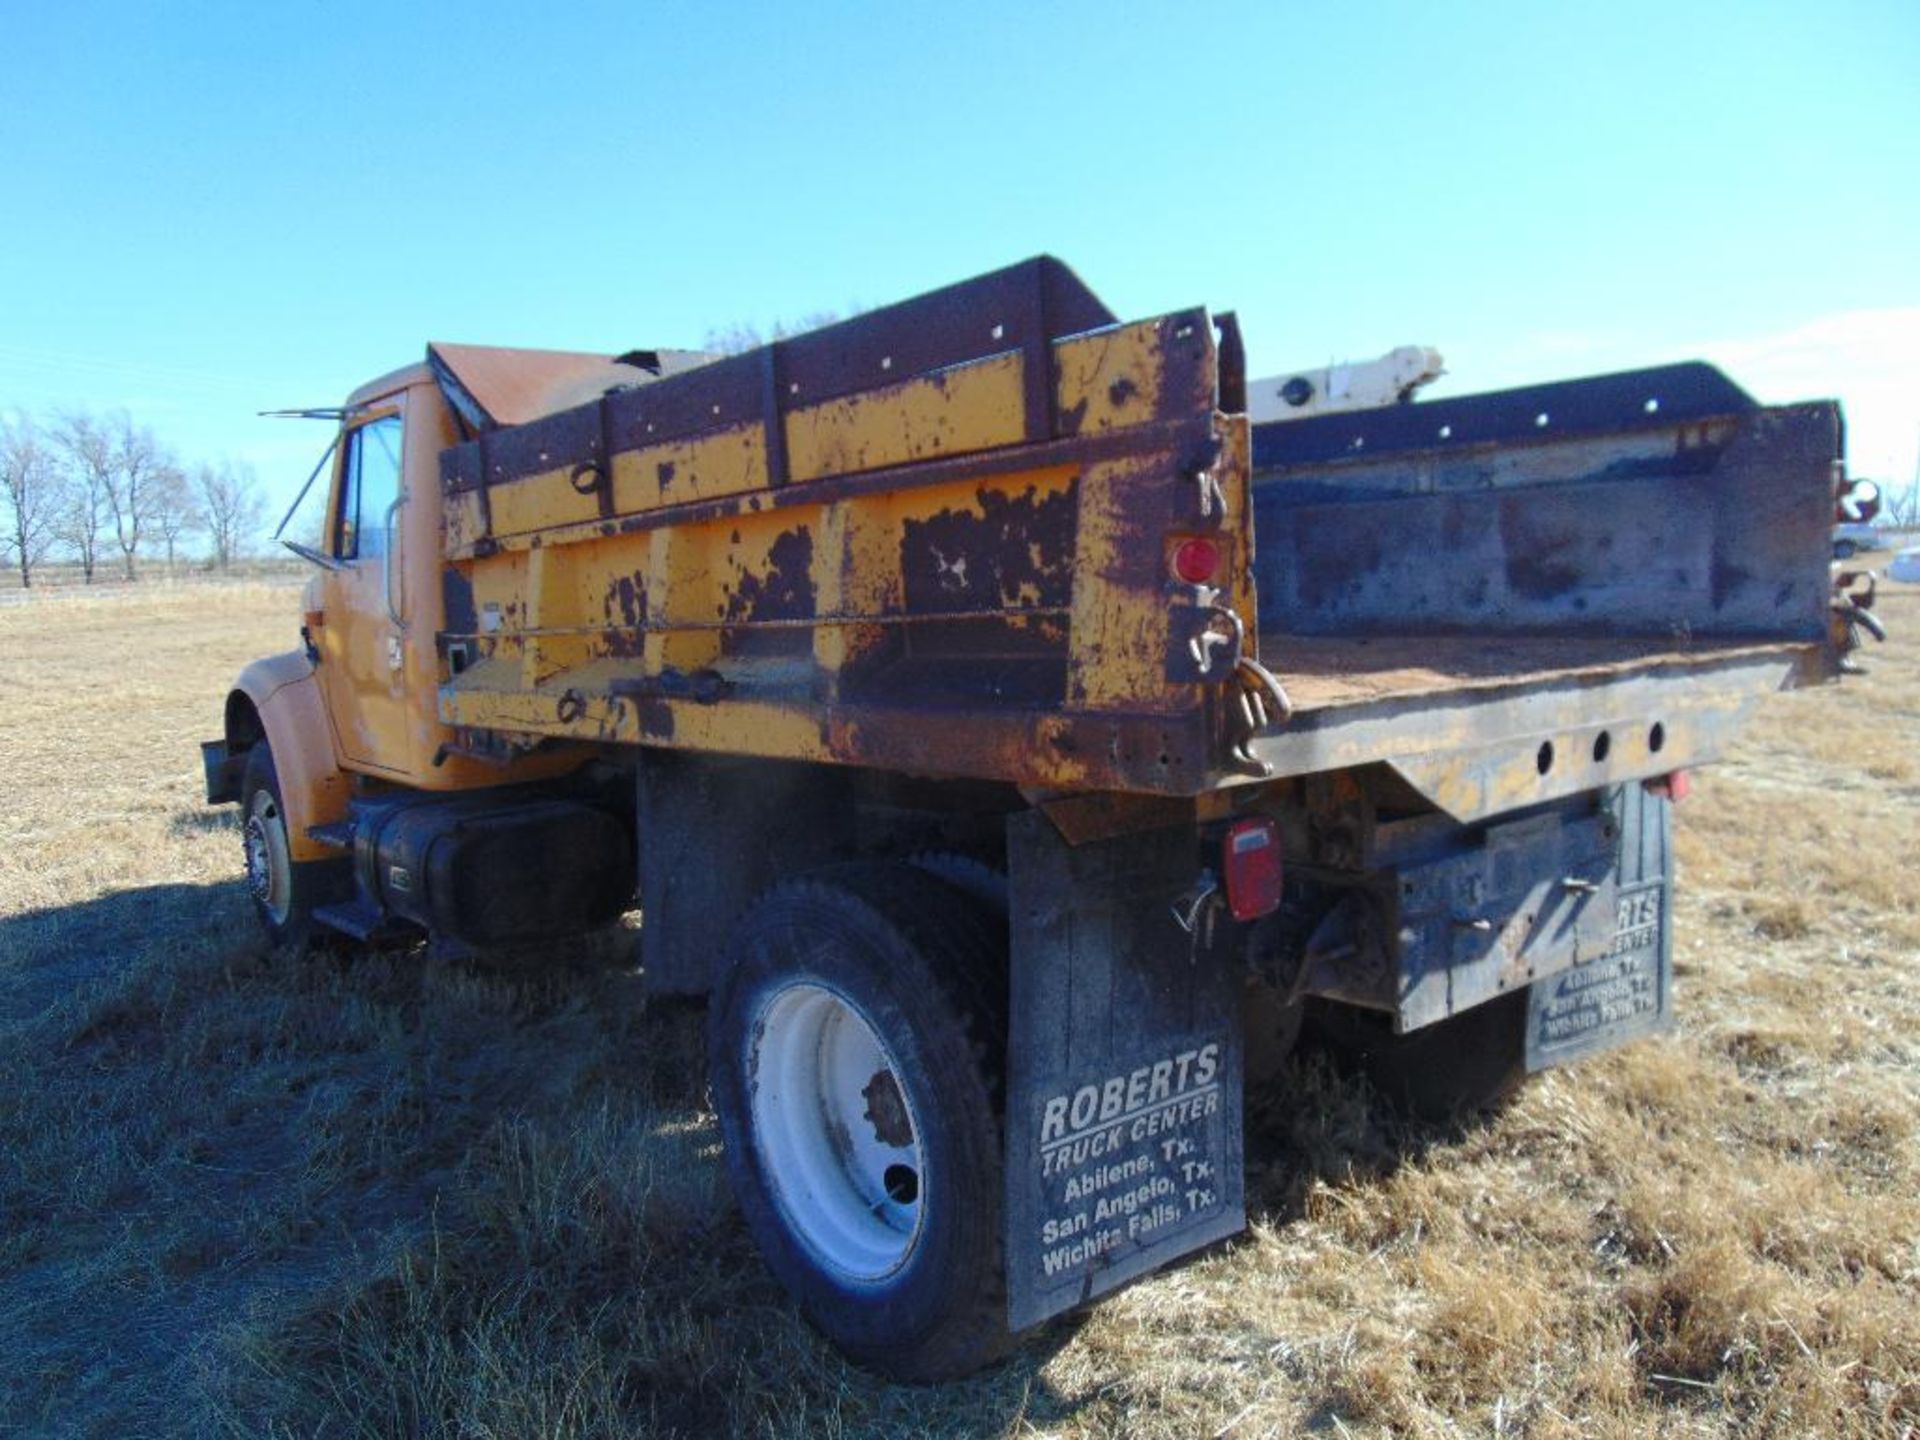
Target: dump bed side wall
(948, 573)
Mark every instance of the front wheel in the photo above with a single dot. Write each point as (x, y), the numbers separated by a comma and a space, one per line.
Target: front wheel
(855, 1049)
(285, 891)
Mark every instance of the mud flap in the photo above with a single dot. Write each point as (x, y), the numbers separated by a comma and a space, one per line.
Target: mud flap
(1626, 992)
(1123, 1125)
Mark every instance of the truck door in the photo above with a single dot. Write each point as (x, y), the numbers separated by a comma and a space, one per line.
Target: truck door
(361, 635)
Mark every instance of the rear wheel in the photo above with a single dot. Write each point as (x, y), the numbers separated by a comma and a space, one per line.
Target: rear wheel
(855, 1050)
(285, 891)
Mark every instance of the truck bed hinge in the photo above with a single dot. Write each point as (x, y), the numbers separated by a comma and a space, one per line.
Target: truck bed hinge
(1261, 700)
(1257, 698)
(1853, 612)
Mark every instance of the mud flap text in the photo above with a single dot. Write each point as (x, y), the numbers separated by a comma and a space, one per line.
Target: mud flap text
(1124, 1107)
(1626, 992)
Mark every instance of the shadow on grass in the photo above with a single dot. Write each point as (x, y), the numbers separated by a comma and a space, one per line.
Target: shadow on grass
(1320, 1123)
(382, 1194)
(46, 953)
(385, 1194)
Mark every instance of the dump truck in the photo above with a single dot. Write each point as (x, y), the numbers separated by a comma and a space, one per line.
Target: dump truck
(1016, 746)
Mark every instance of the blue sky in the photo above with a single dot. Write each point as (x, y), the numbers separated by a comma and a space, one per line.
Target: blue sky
(213, 209)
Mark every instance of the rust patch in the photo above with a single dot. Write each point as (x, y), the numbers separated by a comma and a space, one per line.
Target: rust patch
(1329, 574)
(1120, 392)
(1542, 574)
(887, 1110)
(1017, 552)
(656, 719)
(628, 597)
(785, 591)
(1725, 578)
(626, 644)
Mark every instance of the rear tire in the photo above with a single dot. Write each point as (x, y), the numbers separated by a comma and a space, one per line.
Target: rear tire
(855, 1049)
(285, 891)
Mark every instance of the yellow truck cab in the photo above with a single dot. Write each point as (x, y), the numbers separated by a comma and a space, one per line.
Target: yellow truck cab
(1016, 743)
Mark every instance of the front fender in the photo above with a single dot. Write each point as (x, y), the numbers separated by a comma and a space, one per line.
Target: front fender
(273, 672)
(282, 691)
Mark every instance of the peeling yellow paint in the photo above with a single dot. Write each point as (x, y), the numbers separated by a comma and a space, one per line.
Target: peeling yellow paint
(971, 407)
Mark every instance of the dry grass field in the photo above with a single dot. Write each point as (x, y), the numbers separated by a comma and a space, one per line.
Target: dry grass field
(244, 1196)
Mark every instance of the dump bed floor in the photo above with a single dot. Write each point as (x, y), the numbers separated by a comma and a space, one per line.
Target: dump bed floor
(1334, 672)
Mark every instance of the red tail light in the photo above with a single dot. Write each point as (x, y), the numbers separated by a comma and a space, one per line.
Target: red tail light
(1676, 786)
(1196, 560)
(1250, 859)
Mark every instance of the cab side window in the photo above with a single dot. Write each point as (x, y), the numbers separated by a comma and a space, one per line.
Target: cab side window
(372, 484)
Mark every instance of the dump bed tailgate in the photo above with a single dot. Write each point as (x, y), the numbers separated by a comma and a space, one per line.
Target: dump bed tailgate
(1515, 596)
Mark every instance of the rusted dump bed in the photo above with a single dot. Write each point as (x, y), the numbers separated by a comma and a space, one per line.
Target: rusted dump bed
(943, 538)
(1504, 596)
(932, 539)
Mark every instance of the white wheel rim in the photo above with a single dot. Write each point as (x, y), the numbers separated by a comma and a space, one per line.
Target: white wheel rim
(838, 1140)
(269, 862)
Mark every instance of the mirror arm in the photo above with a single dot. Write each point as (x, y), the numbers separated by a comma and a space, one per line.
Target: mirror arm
(307, 552)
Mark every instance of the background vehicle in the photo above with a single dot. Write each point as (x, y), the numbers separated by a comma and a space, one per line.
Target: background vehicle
(1014, 743)
(1850, 538)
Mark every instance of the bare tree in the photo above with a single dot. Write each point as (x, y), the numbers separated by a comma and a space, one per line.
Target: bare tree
(1902, 507)
(231, 507)
(88, 452)
(32, 495)
(138, 463)
(117, 465)
(740, 336)
(173, 512)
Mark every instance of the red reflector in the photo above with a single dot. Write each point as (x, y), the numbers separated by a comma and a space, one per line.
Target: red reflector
(1196, 561)
(1250, 859)
(1676, 786)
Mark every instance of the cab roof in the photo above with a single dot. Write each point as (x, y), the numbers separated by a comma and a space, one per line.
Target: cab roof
(492, 386)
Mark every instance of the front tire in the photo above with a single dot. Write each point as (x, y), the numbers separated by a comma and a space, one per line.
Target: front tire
(855, 1049)
(285, 891)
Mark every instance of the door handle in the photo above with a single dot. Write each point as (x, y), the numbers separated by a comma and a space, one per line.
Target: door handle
(391, 568)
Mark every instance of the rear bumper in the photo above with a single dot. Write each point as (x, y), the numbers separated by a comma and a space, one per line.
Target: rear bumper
(1487, 748)
(223, 772)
